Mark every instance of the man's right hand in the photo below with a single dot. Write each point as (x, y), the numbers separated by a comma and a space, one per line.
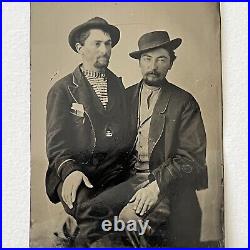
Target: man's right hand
(70, 186)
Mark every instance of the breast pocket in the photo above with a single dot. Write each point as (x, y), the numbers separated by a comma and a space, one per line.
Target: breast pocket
(77, 120)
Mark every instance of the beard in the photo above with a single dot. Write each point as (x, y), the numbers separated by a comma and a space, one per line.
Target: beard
(102, 62)
(153, 78)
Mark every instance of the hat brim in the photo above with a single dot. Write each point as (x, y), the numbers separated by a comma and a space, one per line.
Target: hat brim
(172, 45)
(113, 31)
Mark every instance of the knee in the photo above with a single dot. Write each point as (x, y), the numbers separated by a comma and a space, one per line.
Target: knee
(128, 213)
(93, 210)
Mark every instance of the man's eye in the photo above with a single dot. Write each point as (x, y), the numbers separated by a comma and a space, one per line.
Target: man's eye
(162, 60)
(108, 44)
(97, 44)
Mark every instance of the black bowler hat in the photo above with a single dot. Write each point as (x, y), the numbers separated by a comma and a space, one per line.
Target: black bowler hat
(154, 40)
(95, 23)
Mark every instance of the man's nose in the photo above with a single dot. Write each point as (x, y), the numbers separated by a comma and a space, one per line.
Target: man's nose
(103, 49)
(153, 66)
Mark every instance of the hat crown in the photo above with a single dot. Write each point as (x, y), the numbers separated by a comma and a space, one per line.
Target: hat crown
(94, 23)
(153, 39)
(97, 20)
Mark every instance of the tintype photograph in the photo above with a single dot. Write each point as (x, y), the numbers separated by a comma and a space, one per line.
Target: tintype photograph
(126, 125)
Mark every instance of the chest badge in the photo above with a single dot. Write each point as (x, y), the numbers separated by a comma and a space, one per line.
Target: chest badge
(78, 109)
(109, 133)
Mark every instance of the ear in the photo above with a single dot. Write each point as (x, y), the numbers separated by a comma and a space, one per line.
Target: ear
(170, 66)
(78, 47)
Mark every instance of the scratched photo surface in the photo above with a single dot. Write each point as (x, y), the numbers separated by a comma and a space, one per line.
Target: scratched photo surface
(196, 69)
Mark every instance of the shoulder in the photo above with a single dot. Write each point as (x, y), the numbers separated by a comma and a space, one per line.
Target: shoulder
(116, 79)
(181, 96)
(61, 85)
(131, 89)
(112, 76)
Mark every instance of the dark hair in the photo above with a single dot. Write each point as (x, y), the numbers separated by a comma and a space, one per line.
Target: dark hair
(81, 37)
(172, 55)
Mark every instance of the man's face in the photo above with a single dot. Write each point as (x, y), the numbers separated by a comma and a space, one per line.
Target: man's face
(154, 66)
(96, 50)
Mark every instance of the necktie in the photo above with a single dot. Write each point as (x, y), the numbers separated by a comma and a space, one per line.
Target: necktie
(148, 98)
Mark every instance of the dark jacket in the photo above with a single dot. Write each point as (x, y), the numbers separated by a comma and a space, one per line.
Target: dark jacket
(76, 140)
(177, 139)
(177, 159)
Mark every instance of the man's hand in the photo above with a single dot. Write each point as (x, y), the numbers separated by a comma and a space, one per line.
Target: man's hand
(145, 198)
(70, 186)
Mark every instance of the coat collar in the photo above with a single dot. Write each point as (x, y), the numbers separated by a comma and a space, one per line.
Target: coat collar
(158, 119)
(159, 113)
(80, 89)
(83, 93)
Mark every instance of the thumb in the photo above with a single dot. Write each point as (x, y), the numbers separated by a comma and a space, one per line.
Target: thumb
(87, 182)
(73, 194)
(133, 198)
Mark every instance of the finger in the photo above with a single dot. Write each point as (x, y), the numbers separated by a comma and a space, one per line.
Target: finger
(73, 194)
(140, 206)
(67, 196)
(144, 209)
(150, 205)
(137, 201)
(133, 198)
(87, 182)
(64, 196)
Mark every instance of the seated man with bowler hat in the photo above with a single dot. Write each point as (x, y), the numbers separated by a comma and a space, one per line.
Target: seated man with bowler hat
(87, 127)
(168, 141)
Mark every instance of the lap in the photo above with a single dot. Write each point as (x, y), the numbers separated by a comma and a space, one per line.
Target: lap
(113, 198)
(83, 194)
(118, 196)
(156, 216)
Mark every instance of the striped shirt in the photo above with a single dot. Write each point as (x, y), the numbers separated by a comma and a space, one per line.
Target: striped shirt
(98, 81)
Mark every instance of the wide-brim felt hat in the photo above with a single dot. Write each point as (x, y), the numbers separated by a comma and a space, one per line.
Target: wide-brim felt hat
(94, 23)
(155, 39)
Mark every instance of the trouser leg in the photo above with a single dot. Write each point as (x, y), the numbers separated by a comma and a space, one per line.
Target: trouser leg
(184, 224)
(92, 207)
(155, 217)
(84, 194)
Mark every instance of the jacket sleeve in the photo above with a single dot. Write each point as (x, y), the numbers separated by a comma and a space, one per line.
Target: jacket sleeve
(188, 162)
(58, 134)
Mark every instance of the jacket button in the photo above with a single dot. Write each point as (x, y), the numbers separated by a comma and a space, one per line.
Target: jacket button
(187, 168)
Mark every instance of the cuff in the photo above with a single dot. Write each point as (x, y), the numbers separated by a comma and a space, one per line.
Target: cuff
(67, 167)
(163, 176)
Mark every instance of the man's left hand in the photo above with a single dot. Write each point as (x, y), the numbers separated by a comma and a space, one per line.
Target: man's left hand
(145, 198)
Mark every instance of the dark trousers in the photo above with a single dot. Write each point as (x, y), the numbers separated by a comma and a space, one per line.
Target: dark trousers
(93, 206)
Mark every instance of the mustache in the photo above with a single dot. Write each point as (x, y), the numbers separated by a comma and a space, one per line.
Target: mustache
(105, 56)
(154, 72)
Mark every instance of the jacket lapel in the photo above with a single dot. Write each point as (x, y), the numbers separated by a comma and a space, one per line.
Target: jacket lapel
(134, 104)
(80, 90)
(158, 117)
(111, 90)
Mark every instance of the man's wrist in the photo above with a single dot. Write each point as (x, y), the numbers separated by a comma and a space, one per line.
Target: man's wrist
(153, 186)
(70, 169)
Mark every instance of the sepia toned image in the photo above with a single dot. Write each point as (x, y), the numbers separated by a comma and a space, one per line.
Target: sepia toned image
(126, 125)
